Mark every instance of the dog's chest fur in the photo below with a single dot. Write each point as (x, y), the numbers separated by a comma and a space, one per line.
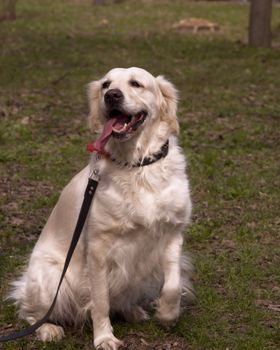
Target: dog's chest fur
(135, 213)
(141, 199)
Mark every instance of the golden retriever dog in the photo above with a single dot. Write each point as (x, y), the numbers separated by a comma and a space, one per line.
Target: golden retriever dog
(130, 255)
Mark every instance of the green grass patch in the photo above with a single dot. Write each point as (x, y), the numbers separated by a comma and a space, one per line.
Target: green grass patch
(229, 115)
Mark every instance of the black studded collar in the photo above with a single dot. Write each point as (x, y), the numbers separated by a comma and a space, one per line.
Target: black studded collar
(162, 153)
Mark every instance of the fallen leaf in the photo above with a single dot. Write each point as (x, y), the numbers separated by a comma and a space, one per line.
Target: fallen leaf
(25, 121)
(16, 221)
(268, 304)
(227, 243)
(274, 307)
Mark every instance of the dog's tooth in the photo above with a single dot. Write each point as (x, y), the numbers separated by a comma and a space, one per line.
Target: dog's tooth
(123, 128)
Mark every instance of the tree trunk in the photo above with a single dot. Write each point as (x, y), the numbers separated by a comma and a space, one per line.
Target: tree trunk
(103, 2)
(98, 2)
(8, 10)
(260, 23)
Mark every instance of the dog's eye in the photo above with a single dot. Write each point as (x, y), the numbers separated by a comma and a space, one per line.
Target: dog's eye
(135, 83)
(106, 84)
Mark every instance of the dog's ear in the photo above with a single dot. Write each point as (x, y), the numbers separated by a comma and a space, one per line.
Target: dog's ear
(94, 108)
(168, 103)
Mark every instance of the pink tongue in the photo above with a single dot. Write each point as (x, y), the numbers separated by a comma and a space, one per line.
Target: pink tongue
(100, 143)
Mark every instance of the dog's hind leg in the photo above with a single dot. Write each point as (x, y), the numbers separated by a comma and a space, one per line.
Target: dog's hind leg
(135, 314)
(34, 293)
(48, 331)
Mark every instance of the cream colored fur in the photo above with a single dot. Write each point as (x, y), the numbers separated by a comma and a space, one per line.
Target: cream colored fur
(130, 251)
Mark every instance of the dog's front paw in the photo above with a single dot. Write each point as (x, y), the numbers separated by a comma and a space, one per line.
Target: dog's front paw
(166, 316)
(107, 342)
(50, 332)
(168, 309)
(167, 321)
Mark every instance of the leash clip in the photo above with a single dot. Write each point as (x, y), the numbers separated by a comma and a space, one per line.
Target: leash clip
(94, 175)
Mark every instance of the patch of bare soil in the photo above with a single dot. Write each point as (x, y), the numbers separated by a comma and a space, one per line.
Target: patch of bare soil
(15, 195)
(140, 341)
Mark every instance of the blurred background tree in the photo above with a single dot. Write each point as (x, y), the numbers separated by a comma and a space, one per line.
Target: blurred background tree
(260, 23)
(104, 2)
(8, 10)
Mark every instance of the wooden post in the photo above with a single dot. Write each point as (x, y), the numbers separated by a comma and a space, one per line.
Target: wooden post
(260, 23)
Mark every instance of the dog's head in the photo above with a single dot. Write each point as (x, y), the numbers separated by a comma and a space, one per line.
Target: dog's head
(128, 101)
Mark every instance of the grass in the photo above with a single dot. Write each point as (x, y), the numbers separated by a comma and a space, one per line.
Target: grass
(229, 115)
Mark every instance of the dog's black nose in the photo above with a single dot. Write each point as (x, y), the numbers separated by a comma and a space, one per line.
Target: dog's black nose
(113, 96)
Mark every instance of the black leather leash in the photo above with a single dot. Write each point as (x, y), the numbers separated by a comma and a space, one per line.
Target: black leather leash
(88, 196)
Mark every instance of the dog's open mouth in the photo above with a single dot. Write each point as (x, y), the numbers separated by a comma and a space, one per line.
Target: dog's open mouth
(119, 125)
(125, 124)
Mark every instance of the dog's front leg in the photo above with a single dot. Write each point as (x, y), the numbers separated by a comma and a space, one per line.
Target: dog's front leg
(168, 308)
(100, 305)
